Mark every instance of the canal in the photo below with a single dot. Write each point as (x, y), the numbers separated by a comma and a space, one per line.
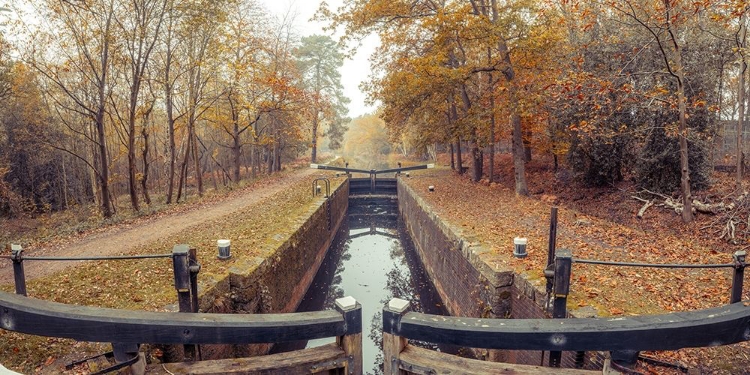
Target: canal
(373, 260)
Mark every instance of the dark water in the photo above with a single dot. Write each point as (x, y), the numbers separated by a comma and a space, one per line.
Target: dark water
(373, 260)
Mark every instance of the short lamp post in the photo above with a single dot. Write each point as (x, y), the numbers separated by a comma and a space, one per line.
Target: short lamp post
(224, 249)
(519, 247)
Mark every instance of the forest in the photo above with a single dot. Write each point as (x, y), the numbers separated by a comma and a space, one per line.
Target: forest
(104, 98)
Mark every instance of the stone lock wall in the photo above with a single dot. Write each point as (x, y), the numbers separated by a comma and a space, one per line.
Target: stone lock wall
(468, 286)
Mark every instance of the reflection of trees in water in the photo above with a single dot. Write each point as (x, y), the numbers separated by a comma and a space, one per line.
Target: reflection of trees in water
(376, 335)
(335, 291)
(405, 284)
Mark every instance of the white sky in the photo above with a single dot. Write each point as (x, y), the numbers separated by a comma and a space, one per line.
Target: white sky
(354, 70)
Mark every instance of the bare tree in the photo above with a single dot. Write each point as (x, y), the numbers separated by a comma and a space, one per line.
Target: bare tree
(139, 24)
(84, 35)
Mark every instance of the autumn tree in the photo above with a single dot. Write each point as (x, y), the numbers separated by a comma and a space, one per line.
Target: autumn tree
(199, 31)
(663, 20)
(465, 45)
(76, 61)
(169, 70)
(319, 61)
(244, 38)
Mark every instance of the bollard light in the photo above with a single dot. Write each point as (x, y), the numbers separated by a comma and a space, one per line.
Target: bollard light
(519, 247)
(431, 188)
(224, 249)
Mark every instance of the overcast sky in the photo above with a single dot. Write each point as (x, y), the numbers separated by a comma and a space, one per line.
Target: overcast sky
(354, 70)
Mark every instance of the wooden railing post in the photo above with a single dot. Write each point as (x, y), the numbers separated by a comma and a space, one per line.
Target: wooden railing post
(181, 265)
(739, 276)
(19, 275)
(563, 264)
(393, 344)
(351, 342)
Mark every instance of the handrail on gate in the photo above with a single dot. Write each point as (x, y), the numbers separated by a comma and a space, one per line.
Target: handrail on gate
(316, 187)
(723, 325)
(371, 171)
(127, 329)
(558, 271)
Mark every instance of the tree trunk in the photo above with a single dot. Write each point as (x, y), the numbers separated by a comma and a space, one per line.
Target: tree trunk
(491, 166)
(741, 102)
(183, 171)
(270, 159)
(144, 180)
(526, 145)
(278, 158)
(459, 162)
(679, 73)
(197, 161)
(519, 153)
(103, 167)
(254, 160)
(132, 178)
(170, 126)
(453, 162)
(476, 158)
(314, 157)
(518, 156)
(236, 151)
(65, 184)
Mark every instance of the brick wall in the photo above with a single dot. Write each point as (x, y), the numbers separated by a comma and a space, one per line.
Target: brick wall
(467, 286)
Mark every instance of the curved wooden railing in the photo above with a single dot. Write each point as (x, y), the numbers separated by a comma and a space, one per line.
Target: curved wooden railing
(711, 327)
(126, 328)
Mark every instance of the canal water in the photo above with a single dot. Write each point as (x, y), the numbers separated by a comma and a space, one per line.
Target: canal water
(373, 260)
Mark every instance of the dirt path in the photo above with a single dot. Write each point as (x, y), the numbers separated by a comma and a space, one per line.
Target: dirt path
(122, 238)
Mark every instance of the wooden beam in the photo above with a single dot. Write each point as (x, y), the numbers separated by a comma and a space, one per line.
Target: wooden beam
(415, 360)
(712, 327)
(306, 361)
(83, 323)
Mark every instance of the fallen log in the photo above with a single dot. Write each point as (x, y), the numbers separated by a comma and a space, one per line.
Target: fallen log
(646, 204)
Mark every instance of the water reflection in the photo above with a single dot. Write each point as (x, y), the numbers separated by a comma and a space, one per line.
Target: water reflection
(373, 260)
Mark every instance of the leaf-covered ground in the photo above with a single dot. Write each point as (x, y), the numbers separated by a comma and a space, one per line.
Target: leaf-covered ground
(595, 224)
(148, 284)
(493, 215)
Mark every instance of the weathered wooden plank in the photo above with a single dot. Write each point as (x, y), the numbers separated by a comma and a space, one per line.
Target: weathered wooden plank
(352, 346)
(83, 323)
(306, 361)
(712, 327)
(415, 360)
(392, 347)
